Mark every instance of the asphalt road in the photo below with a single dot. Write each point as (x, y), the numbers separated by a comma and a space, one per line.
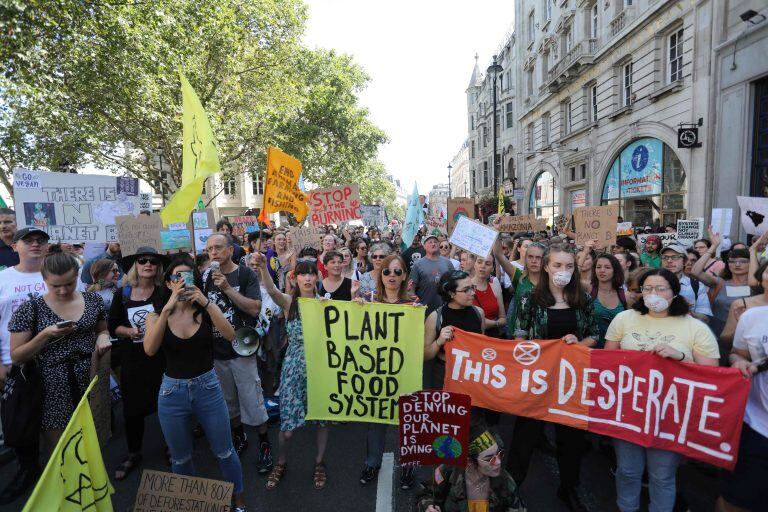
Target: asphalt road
(344, 459)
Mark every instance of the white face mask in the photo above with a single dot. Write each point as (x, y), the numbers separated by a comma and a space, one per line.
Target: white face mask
(656, 303)
(561, 279)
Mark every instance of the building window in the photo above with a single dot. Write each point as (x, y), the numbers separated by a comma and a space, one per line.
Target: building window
(593, 103)
(531, 26)
(567, 117)
(555, 54)
(472, 150)
(257, 184)
(497, 124)
(548, 9)
(593, 21)
(675, 55)
(545, 130)
(485, 174)
(510, 114)
(472, 122)
(229, 186)
(485, 136)
(582, 171)
(567, 39)
(529, 137)
(544, 65)
(543, 201)
(572, 171)
(529, 80)
(626, 85)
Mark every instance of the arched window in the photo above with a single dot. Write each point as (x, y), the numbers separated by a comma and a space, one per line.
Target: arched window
(648, 183)
(544, 201)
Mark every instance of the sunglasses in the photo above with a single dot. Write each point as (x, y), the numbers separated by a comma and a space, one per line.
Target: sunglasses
(377, 256)
(398, 272)
(144, 261)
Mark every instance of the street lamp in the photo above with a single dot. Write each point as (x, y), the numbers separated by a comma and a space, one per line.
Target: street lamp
(495, 68)
(449, 180)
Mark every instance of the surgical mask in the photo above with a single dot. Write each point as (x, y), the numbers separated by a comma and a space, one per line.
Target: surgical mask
(656, 303)
(561, 279)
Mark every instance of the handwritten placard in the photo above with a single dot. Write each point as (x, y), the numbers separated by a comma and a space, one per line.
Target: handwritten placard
(334, 205)
(688, 231)
(754, 214)
(435, 225)
(245, 224)
(459, 207)
(168, 492)
(518, 223)
(305, 237)
(596, 223)
(141, 231)
(474, 237)
(666, 238)
(434, 428)
(373, 215)
(145, 201)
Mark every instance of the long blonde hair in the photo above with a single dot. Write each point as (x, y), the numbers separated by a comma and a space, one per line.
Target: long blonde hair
(132, 276)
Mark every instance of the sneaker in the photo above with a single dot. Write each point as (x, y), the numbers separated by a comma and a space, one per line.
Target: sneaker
(239, 509)
(368, 475)
(240, 443)
(407, 479)
(265, 463)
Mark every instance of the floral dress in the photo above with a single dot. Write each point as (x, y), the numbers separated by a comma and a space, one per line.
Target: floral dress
(293, 380)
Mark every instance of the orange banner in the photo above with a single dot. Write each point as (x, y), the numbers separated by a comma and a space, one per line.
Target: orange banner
(631, 395)
(281, 190)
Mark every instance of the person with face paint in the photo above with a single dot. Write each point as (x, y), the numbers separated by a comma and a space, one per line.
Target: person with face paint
(293, 376)
(651, 256)
(658, 322)
(556, 308)
(482, 486)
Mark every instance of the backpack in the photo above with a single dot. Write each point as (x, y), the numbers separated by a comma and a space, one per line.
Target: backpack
(240, 319)
(620, 292)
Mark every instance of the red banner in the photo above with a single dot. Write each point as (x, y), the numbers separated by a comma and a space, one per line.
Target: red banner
(636, 396)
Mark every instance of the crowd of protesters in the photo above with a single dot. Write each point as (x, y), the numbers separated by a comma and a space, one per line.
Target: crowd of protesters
(171, 324)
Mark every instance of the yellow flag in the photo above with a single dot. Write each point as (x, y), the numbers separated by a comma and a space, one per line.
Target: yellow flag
(281, 190)
(75, 478)
(501, 202)
(199, 156)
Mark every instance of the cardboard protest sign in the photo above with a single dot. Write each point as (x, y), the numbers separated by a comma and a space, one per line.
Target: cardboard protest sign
(245, 224)
(596, 222)
(624, 229)
(459, 207)
(434, 428)
(474, 237)
(334, 205)
(142, 231)
(360, 359)
(722, 218)
(636, 396)
(73, 207)
(99, 399)
(754, 214)
(306, 237)
(688, 231)
(435, 225)
(145, 201)
(518, 223)
(169, 492)
(666, 239)
(201, 238)
(174, 239)
(373, 215)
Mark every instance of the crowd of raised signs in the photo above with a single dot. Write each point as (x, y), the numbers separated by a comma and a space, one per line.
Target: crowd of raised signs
(173, 324)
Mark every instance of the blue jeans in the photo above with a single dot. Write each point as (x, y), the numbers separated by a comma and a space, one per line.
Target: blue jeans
(631, 460)
(179, 403)
(374, 446)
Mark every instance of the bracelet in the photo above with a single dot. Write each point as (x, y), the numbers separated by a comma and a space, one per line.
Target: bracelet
(207, 304)
(682, 358)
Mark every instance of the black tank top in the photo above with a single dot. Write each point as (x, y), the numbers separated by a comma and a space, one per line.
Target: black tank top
(466, 319)
(343, 292)
(191, 357)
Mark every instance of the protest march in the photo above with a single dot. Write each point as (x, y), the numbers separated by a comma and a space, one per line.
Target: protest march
(328, 343)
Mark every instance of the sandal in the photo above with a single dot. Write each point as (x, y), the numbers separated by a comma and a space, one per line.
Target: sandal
(274, 477)
(320, 476)
(127, 466)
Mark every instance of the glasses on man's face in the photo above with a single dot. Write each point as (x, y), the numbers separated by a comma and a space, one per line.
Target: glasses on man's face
(35, 240)
(658, 289)
(497, 456)
(674, 257)
(377, 256)
(397, 271)
(468, 290)
(144, 261)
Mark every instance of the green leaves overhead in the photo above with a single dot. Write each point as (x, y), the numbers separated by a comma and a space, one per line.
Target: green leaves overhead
(96, 81)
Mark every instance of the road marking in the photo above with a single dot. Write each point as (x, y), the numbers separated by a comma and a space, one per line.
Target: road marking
(384, 485)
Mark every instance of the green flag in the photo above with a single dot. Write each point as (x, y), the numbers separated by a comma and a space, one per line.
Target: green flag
(2, 203)
(200, 204)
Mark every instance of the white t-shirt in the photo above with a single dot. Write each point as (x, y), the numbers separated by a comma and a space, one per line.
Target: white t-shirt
(752, 335)
(15, 289)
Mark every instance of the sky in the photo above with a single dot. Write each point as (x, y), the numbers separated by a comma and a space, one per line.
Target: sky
(419, 55)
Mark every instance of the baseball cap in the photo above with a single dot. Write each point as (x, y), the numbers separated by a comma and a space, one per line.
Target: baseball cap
(430, 235)
(680, 249)
(25, 232)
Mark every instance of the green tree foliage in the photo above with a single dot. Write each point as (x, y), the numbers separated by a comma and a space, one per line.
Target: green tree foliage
(97, 82)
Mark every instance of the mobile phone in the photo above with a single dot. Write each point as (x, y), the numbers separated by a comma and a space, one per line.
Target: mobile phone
(65, 324)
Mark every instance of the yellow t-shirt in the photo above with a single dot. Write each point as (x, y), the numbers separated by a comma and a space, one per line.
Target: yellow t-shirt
(478, 505)
(643, 332)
